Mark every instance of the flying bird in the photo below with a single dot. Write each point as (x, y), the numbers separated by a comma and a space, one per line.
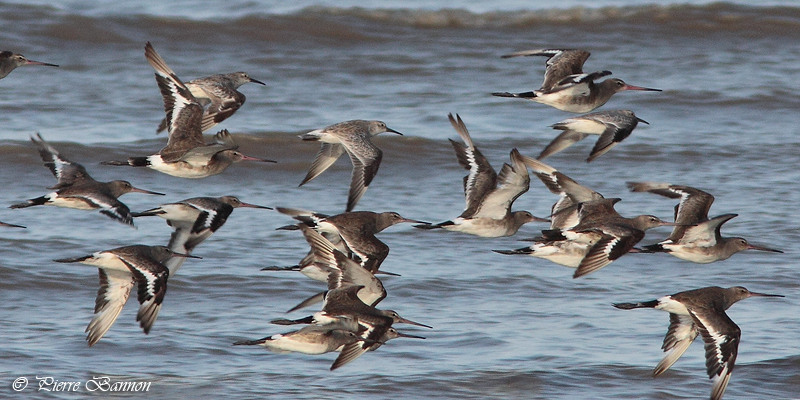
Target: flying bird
(352, 137)
(76, 188)
(612, 126)
(566, 87)
(489, 196)
(701, 311)
(186, 154)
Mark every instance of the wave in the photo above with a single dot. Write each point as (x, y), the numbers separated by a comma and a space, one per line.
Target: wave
(357, 24)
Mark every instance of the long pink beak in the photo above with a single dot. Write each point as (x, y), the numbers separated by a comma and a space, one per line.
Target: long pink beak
(137, 190)
(175, 254)
(248, 158)
(765, 295)
(631, 87)
(408, 321)
(31, 62)
(405, 335)
(243, 204)
(762, 248)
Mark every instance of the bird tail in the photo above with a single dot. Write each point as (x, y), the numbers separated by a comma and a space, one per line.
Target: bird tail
(293, 227)
(284, 321)
(631, 306)
(313, 135)
(30, 203)
(653, 248)
(251, 342)
(434, 226)
(132, 161)
(162, 126)
(148, 213)
(277, 268)
(73, 259)
(523, 95)
(523, 250)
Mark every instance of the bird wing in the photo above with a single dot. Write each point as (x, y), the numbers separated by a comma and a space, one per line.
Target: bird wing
(115, 287)
(577, 85)
(560, 63)
(366, 159)
(512, 182)
(151, 279)
(370, 250)
(372, 334)
(681, 333)
(327, 155)
(116, 210)
(607, 249)
(349, 353)
(706, 233)
(721, 344)
(559, 183)
(217, 113)
(212, 216)
(562, 141)
(224, 102)
(182, 240)
(616, 130)
(481, 178)
(67, 172)
(184, 113)
(344, 271)
(691, 210)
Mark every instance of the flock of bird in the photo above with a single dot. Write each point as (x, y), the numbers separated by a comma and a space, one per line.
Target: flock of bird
(585, 232)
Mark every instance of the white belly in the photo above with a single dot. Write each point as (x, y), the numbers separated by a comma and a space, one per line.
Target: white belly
(106, 260)
(179, 169)
(566, 253)
(695, 254)
(483, 227)
(284, 344)
(180, 213)
(667, 304)
(68, 202)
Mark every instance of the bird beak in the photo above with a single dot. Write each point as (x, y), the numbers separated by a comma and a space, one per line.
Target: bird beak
(665, 223)
(410, 322)
(248, 158)
(756, 294)
(31, 62)
(405, 335)
(641, 120)
(11, 225)
(762, 248)
(257, 81)
(248, 205)
(385, 273)
(137, 190)
(414, 221)
(176, 254)
(631, 87)
(393, 131)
